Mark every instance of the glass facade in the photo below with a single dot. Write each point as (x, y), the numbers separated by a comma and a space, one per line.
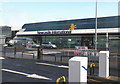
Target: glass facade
(89, 23)
(62, 41)
(81, 40)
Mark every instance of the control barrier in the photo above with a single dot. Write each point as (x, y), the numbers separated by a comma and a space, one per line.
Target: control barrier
(63, 79)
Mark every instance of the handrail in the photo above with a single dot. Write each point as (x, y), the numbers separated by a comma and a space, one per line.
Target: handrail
(61, 78)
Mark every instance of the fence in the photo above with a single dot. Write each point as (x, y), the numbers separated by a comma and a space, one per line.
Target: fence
(93, 55)
(20, 52)
(37, 53)
(61, 56)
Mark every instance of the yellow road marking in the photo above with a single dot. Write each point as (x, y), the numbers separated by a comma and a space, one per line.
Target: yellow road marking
(116, 56)
(93, 80)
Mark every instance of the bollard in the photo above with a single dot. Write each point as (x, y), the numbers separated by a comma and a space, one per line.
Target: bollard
(78, 69)
(4, 51)
(14, 51)
(39, 53)
(55, 58)
(61, 58)
(104, 64)
(22, 54)
(33, 55)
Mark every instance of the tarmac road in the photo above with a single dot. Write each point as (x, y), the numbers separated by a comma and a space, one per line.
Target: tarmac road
(32, 72)
(16, 70)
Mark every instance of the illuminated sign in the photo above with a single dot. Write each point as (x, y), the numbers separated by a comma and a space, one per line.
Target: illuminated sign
(53, 32)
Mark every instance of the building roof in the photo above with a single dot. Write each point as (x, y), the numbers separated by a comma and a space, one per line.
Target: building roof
(87, 23)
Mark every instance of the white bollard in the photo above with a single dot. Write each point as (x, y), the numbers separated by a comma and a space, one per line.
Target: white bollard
(104, 64)
(78, 69)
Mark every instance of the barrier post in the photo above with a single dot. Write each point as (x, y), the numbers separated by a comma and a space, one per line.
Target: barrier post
(104, 64)
(15, 51)
(38, 53)
(78, 69)
(4, 51)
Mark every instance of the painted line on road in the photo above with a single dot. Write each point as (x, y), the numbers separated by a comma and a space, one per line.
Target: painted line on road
(2, 58)
(116, 56)
(61, 66)
(92, 80)
(27, 75)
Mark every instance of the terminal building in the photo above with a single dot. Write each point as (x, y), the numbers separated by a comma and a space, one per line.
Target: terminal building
(59, 32)
(5, 31)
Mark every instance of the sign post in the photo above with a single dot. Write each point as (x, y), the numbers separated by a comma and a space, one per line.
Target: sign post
(69, 40)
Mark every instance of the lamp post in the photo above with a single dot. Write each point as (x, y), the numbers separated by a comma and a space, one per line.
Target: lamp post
(69, 40)
(107, 41)
(96, 26)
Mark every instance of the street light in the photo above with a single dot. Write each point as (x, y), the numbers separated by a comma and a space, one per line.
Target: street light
(69, 40)
(96, 26)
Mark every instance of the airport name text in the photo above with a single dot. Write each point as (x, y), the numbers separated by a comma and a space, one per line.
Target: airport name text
(54, 32)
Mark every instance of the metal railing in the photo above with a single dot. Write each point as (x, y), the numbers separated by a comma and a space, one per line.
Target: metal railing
(92, 54)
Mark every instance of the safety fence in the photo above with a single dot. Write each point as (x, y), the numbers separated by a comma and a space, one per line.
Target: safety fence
(92, 54)
(19, 52)
(36, 53)
(62, 56)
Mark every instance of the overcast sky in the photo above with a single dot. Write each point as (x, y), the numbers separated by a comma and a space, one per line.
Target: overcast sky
(18, 13)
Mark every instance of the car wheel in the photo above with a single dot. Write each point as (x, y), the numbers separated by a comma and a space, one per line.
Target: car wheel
(51, 47)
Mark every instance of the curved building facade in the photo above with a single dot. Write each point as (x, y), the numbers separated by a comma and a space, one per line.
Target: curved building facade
(59, 32)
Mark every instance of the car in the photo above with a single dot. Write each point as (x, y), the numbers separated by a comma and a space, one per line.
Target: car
(8, 45)
(21, 42)
(49, 45)
(34, 45)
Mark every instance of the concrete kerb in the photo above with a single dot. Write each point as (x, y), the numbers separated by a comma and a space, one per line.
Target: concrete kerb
(108, 79)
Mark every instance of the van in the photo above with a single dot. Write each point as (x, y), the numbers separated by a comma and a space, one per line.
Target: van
(22, 42)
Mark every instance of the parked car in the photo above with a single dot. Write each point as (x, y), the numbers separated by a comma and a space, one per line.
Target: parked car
(49, 45)
(8, 45)
(22, 42)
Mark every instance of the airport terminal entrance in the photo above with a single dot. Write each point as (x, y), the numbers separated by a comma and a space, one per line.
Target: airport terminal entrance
(68, 41)
(87, 41)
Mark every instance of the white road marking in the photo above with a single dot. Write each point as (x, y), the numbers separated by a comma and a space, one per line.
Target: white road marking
(27, 75)
(62, 66)
(50, 52)
(2, 58)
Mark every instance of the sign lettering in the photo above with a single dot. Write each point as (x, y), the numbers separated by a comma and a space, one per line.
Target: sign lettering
(53, 32)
